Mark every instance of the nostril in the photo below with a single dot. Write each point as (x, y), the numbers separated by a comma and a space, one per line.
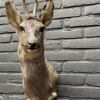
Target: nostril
(32, 45)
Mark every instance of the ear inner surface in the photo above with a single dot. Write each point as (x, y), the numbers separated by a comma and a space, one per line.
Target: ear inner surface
(12, 14)
(46, 14)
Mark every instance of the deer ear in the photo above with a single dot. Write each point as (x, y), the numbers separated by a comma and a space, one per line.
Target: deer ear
(46, 14)
(12, 14)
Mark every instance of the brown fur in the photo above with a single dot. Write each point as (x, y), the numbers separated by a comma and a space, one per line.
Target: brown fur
(38, 76)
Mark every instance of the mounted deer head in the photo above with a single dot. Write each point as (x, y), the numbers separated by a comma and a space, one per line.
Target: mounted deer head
(30, 29)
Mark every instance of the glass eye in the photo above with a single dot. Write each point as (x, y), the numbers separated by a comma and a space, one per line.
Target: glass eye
(42, 29)
(21, 29)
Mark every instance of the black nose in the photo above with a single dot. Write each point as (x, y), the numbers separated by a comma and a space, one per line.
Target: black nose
(32, 46)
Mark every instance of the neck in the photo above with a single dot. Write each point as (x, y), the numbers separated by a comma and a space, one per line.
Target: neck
(33, 63)
(30, 57)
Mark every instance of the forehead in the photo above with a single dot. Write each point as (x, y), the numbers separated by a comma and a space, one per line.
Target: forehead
(31, 22)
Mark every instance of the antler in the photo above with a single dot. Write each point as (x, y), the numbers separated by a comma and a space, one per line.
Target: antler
(25, 8)
(35, 8)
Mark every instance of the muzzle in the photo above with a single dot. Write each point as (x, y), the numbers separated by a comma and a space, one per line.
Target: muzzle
(32, 46)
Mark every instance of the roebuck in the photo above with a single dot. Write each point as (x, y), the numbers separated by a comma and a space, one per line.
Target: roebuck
(39, 78)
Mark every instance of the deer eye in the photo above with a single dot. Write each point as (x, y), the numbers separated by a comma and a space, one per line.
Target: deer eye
(21, 29)
(41, 29)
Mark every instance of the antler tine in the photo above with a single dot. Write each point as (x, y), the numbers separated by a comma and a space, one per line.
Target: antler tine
(35, 8)
(25, 8)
